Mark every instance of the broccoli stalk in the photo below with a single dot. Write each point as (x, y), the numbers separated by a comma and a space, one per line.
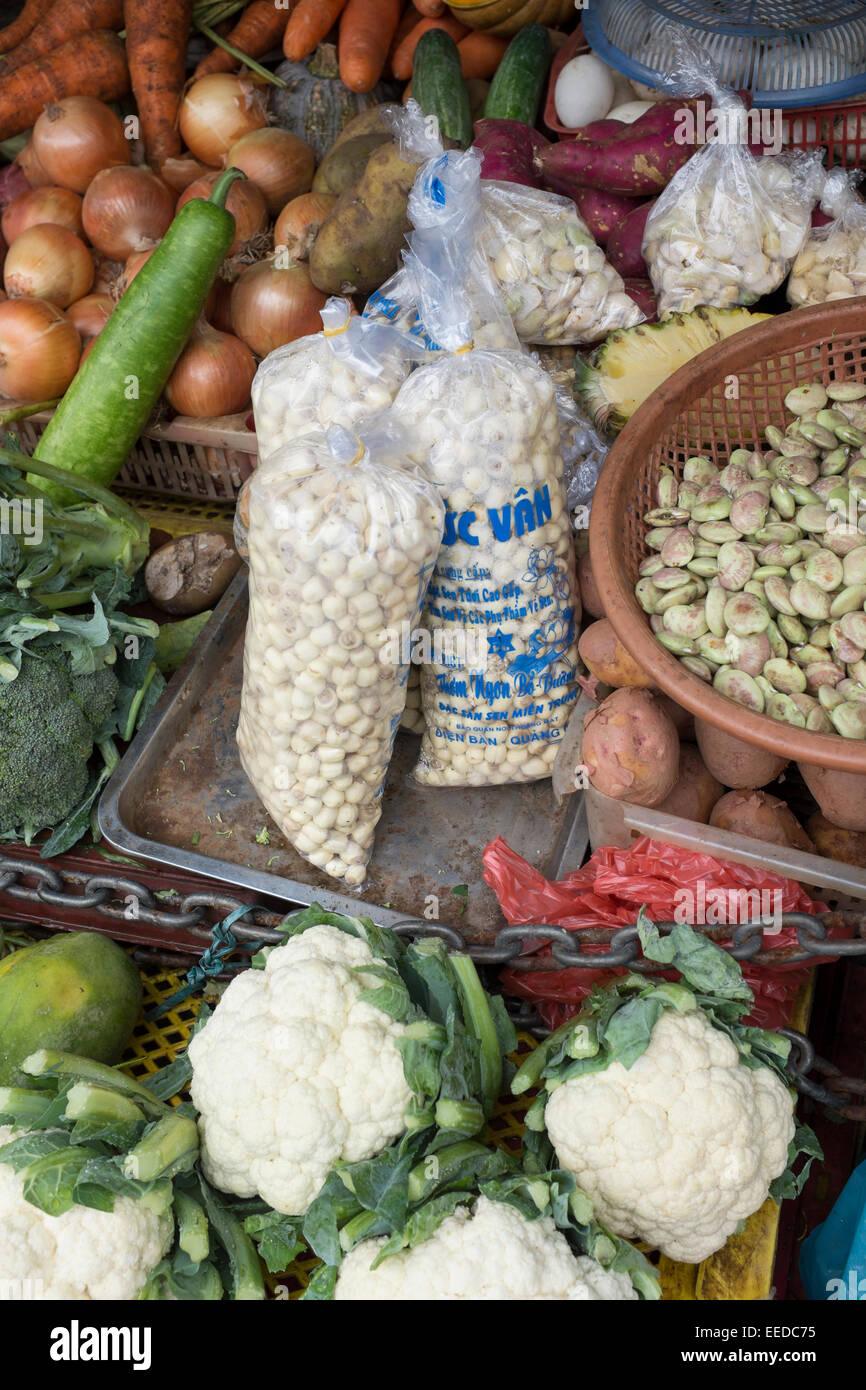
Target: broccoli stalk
(103, 533)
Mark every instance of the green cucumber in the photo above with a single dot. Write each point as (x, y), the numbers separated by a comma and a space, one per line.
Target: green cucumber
(518, 83)
(438, 86)
(113, 394)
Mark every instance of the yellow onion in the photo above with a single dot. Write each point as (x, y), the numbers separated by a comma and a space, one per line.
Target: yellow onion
(272, 306)
(39, 350)
(212, 376)
(48, 262)
(277, 162)
(75, 138)
(127, 209)
(216, 111)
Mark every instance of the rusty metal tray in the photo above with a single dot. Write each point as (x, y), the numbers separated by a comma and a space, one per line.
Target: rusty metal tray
(180, 798)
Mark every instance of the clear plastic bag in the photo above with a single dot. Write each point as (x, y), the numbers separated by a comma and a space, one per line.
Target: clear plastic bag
(341, 545)
(557, 285)
(728, 226)
(499, 680)
(583, 454)
(832, 263)
(341, 376)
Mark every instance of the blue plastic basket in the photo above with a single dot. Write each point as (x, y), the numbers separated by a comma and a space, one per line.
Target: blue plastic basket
(787, 53)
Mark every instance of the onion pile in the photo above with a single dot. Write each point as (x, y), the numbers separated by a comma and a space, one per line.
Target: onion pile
(48, 262)
(90, 315)
(213, 374)
(245, 202)
(74, 139)
(278, 163)
(217, 111)
(127, 209)
(39, 350)
(272, 306)
(48, 203)
(298, 224)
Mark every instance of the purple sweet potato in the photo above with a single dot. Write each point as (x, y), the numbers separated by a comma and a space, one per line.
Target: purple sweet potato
(624, 247)
(640, 160)
(603, 212)
(597, 130)
(508, 149)
(644, 296)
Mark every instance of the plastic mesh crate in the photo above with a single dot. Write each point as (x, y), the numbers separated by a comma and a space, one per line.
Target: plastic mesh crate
(742, 1270)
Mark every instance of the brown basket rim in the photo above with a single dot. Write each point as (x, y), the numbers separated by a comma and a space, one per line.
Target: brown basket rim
(796, 329)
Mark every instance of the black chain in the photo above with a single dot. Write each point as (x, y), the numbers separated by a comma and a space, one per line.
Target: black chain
(120, 898)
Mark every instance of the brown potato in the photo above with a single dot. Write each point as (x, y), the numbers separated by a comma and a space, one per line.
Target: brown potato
(761, 817)
(684, 720)
(604, 655)
(190, 573)
(840, 795)
(342, 168)
(630, 748)
(846, 846)
(735, 763)
(360, 240)
(696, 791)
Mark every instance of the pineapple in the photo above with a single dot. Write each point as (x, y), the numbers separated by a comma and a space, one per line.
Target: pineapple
(632, 362)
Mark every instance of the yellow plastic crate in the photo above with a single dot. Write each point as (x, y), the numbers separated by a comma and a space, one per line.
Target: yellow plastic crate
(742, 1270)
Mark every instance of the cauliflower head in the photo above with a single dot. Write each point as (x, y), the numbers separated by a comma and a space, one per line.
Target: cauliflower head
(486, 1253)
(680, 1148)
(295, 1071)
(82, 1255)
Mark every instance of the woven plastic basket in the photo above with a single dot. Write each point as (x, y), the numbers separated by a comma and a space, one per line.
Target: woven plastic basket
(718, 402)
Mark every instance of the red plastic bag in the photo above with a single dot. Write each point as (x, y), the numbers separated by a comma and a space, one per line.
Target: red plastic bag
(673, 884)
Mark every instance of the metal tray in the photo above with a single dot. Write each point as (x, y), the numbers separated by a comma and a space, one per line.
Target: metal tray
(179, 797)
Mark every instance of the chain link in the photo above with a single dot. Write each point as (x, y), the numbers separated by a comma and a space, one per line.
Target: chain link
(112, 896)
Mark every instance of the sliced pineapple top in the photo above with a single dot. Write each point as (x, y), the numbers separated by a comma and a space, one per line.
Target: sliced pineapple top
(620, 374)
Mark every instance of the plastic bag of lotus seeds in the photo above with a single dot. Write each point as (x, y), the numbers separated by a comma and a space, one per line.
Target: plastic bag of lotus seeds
(341, 547)
(498, 679)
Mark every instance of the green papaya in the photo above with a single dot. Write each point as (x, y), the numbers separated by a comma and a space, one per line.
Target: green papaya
(76, 992)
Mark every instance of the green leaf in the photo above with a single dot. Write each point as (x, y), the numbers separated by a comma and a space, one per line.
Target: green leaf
(334, 1206)
(505, 1029)
(392, 996)
(627, 1035)
(21, 1152)
(321, 1287)
(420, 1066)
(277, 1238)
(381, 1184)
(790, 1184)
(50, 1181)
(422, 1224)
(706, 967)
(118, 1135)
(430, 977)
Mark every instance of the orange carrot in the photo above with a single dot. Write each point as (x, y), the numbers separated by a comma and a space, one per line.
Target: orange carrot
(89, 65)
(480, 53)
(432, 8)
(311, 22)
(259, 29)
(156, 39)
(64, 20)
(367, 28)
(26, 22)
(410, 18)
(401, 59)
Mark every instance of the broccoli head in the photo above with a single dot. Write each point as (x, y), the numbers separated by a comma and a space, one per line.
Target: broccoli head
(48, 722)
